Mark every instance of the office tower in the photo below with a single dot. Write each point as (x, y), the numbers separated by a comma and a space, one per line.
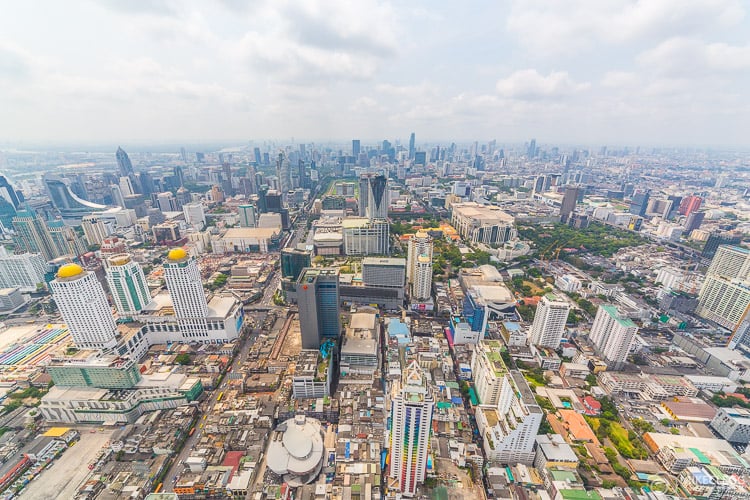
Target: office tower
(262, 192)
(248, 217)
(128, 286)
(373, 196)
(717, 239)
(126, 186)
(166, 202)
(690, 204)
(25, 271)
(117, 197)
(531, 151)
(355, 148)
(195, 216)
(612, 335)
(32, 235)
(419, 244)
(258, 159)
(462, 189)
(511, 418)
(318, 302)
(674, 208)
(293, 261)
(694, 221)
(420, 158)
(569, 201)
(411, 146)
(384, 272)
(639, 203)
(70, 205)
(549, 321)
(725, 294)
(95, 229)
(183, 279)
(123, 163)
(411, 417)
(81, 300)
(9, 203)
(183, 197)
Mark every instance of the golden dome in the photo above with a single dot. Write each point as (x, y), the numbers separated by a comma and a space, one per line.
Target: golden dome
(177, 254)
(69, 270)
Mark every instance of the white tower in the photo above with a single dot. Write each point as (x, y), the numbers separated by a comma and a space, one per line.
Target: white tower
(84, 307)
(549, 322)
(186, 289)
(419, 245)
(422, 286)
(613, 335)
(411, 414)
(195, 216)
(128, 286)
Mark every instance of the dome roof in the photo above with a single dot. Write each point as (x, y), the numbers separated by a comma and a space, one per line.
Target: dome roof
(119, 259)
(177, 254)
(297, 441)
(69, 270)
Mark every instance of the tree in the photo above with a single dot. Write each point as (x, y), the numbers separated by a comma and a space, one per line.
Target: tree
(183, 359)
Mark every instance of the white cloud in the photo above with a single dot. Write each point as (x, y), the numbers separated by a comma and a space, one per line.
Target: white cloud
(691, 57)
(528, 84)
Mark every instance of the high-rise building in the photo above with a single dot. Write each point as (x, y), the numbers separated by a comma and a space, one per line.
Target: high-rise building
(293, 261)
(32, 235)
(420, 158)
(412, 150)
(725, 294)
(613, 335)
(741, 335)
(717, 239)
(183, 279)
(355, 148)
(690, 204)
(549, 321)
(25, 271)
(248, 215)
(9, 203)
(318, 302)
(411, 416)
(639, 203)
(65, 240)
(83, 304)
(510, 418)
(128, 286)
(167, 202)
(123, 163)
(70, 205)
(568, 203)
(531, 151)
(363, 236)
(694, 221)
(421, 288)
(258, 159)
(95, 229)
(419, 244)
(195, 216)
(373, 196)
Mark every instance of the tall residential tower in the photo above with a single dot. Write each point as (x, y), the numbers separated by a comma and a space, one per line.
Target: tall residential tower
(128, 286)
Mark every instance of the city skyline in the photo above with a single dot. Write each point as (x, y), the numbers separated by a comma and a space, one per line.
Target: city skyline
(650, 73)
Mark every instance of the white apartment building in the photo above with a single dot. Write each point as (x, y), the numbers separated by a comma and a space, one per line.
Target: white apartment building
(725, 294)
(81, 300)
(195, 216)
(612, 335)
(549, 322)
(25, 271)
(183, 279)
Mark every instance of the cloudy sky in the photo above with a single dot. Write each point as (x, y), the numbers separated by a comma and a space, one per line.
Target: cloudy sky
(673, 72)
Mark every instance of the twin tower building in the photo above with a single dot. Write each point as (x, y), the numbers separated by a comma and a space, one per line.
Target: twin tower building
(182, 315)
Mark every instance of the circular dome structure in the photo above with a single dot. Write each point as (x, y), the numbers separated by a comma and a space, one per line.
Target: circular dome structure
(296, 450)
(177, 254)
(69, 271)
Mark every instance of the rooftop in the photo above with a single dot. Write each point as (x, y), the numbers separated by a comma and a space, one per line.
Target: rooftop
(615, 314)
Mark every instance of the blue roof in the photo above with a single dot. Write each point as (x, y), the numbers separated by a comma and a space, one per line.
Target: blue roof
(511, 327)
(397, 329)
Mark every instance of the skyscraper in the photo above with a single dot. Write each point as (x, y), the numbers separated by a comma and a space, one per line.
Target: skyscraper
(32, 235)
(613, 335)
(25, 271)
(569, 201)
(411, 416)
(725, 294)
(123, 163)
(184, 283)
(69, 204)
(549, 322)
(318, 301)
(373, 196)
(639, 203)
(717, 239)
(419, 244)
(531, 151)
(293, 261)
(411, 146)
(195, 216)
(694, 221)
(355, 148)
(81, 300)
(258, 159)
(128, 286)
(248, 215)
(690, 204)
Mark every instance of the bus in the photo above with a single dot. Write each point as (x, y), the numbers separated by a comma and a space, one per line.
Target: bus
(158, 488)
(192, 431)
(221, 395)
